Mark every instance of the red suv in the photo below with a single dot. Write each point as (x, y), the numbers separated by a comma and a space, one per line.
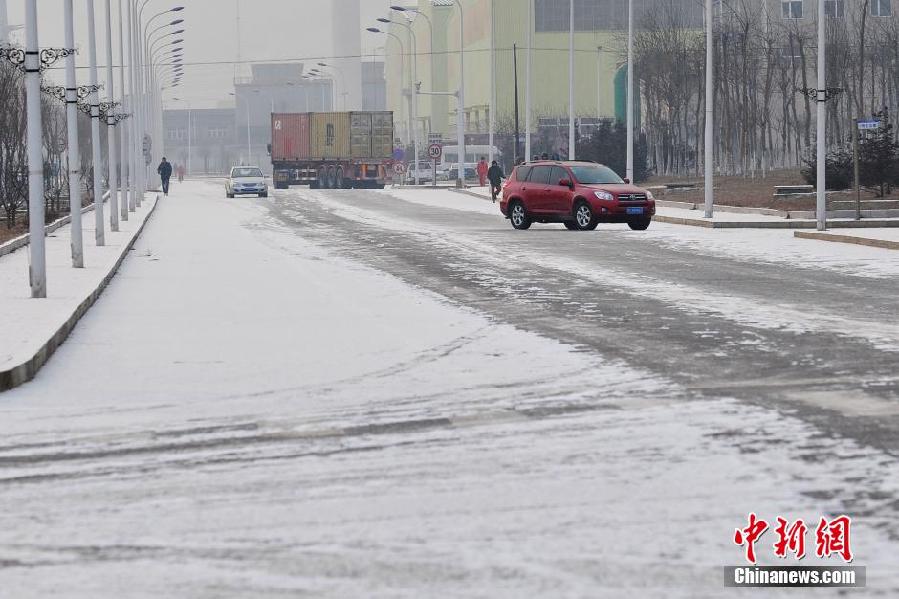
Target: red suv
(578, 194)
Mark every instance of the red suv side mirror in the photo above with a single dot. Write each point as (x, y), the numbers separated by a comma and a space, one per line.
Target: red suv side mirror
(565, 183)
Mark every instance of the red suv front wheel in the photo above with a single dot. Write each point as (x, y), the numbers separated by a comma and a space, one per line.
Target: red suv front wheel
(519, 216)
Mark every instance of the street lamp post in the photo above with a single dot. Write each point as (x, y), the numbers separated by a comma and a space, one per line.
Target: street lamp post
(571, 149)
(402, 58)
(629, 168)
(413, 95)
(135, 128)
(491, 118)
(431, 46)
(94, 102)
(112, 150)
(821, 183)
(709, 113)
(527, 83)
(460, 125)
(38, 269)
(4, 24)
(124, 129)
(72, 140)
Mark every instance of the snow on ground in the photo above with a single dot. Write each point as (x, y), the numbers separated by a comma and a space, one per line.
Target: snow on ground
(774, 314)
(27, 323)
(762, 245)
(244, 414)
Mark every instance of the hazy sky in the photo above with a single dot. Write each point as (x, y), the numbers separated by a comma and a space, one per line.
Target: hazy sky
(270, 30)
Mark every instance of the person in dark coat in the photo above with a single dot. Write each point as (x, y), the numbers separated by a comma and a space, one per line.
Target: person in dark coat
(496, 176)
(165, 173)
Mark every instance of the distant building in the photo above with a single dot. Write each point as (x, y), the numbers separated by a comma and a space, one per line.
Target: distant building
(208, 146)
(374, 87)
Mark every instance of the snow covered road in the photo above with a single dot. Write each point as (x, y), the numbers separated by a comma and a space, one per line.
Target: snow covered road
(357, 394)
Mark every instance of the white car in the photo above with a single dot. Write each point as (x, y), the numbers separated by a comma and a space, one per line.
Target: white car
(246, 180)
(425, 172)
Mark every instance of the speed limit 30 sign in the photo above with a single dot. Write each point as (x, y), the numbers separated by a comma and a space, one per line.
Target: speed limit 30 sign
(435, 151)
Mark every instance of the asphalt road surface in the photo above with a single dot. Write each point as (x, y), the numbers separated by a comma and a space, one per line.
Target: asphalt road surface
(347, 394)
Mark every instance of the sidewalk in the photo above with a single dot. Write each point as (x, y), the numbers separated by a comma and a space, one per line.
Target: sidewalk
(730, 217)
(32, 329)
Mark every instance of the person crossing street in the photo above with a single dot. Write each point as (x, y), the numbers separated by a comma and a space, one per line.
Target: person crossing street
(482, 171)
(496, 176)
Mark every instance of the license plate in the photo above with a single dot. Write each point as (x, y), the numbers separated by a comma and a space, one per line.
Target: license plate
(635, 210)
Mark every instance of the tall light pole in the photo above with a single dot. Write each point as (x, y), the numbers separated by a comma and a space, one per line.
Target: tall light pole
(135, 137)
(629, 168)
(527, 82)
(147, 96)
(111, 149)
(821, 183)
(124, 129)
(413, 93)
(94, 101)
(430, 41)
(72, 140)
(460, 122)
(491, 125)
(402, 58)
(709, 112)
(571, 149)
(38, 268)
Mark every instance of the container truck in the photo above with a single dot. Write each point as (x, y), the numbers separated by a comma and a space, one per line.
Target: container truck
(332, 150)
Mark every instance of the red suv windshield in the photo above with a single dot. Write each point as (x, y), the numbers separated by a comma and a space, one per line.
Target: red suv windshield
(595, 175)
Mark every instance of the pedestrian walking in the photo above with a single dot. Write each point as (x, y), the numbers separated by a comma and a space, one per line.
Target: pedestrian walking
(496, 176)
(482, 171)
(165, 173)
(180, 171)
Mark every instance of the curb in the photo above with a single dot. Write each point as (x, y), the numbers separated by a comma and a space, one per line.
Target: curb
(18, 375)
(473, 194)
(877, 243)
(784, 224)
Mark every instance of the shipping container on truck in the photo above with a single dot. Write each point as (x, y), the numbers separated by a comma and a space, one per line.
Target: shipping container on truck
(332, 150)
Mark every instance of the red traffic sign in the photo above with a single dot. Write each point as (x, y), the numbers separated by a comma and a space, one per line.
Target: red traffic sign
(399, 168)
(435, 151)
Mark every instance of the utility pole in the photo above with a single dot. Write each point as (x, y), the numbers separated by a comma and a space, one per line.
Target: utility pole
(112, 151)
(709, 113)
(123, 156)
(491, 126)
(821, 204)
(571, 149)
(629, 168)
(527, 83)
(72, 140)
(460, 121)
(517, 130)
(855, 169)
(95, 125)
(134, 136)
(38, 269)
